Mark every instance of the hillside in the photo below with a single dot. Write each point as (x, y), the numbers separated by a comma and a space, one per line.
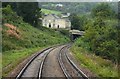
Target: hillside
(18, 34)
(20, 39)
(74, 7)
(47, 11)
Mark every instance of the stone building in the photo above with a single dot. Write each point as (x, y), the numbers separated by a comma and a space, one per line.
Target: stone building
(53, 21)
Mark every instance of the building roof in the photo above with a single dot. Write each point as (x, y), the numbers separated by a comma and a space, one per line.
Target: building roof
(55, 16)
(58, 17)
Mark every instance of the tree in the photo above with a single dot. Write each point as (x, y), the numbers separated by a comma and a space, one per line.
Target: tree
(28, 10)
(103, 10)
(77, 22)
(102, 39)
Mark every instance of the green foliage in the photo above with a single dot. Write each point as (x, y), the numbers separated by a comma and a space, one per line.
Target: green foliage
(101, 34)
(28, 10)
(103, 10)
(12, 58)
(76, 7)
(28, 35)
(77, 22)
(100, 67)
(102, 39)
(9, 16)
(80, 8)
(30, 40)
(7, 10)
(64, 32)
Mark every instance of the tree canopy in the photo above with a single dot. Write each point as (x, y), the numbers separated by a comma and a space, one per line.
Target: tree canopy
(103, 10)
(28, 10)
(77, 22)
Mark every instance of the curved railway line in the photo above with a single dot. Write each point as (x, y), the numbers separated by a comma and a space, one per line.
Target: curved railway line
(36, 66)
(70, 70)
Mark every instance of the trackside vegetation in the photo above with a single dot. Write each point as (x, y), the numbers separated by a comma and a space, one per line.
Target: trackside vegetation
(101, 67)
(98, 48)
(18, 35)
(20, 39)
(14, 57)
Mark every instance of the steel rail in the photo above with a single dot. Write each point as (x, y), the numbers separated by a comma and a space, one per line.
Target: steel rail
(67, 75)
(39, 75)
(30, 61)
(72, 64)
(42, 63)
(76, 68)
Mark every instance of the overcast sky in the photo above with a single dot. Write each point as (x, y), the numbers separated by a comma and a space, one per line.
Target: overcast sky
(60, 0)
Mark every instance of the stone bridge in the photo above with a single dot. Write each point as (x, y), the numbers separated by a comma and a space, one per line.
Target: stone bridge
(75, 34)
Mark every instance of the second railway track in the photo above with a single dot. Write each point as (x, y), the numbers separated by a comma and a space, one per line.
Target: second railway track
(70, 70)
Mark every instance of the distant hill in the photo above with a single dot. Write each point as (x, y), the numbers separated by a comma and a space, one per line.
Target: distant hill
(74, 7)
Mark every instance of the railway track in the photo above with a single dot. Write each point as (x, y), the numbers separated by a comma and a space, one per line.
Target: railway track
(36, 66)
(70, 70)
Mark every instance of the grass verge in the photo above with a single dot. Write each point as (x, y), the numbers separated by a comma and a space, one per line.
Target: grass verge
(97, 65)
(47, 11)
(12, 58)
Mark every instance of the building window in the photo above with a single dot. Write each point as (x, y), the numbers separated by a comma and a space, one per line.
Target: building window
(49, 25)
(58, 26)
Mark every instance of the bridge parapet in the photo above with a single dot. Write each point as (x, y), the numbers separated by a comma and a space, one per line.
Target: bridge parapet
(77, 32)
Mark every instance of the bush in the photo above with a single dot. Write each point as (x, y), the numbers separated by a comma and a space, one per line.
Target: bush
(101, 39)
